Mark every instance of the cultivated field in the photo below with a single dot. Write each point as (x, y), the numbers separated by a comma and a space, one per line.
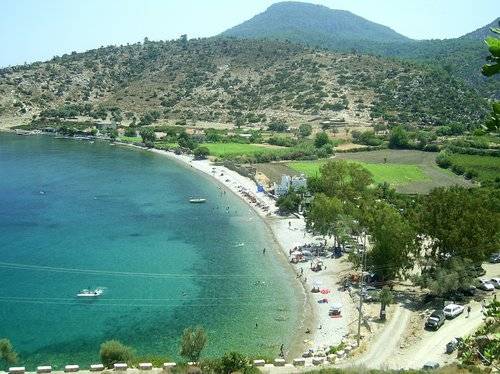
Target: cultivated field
(487, 167)
(408, 171)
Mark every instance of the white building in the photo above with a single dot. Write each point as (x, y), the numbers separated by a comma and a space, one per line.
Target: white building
(288, 182)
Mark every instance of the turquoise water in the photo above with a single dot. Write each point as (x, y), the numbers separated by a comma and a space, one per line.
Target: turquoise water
(75, 215)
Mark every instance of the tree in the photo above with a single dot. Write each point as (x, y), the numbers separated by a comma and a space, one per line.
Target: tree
(461, 223)
(289, 202)
(112, 352)
(148, 135)
(386, 298)
(193, 341)
(494, 47)
(232, 362)
(7, 353)
(394, 240)
(398, 138)
(345, 180)
(305, 130)
(321, 139)
(130, 131)
(201, 153)
(493, 123)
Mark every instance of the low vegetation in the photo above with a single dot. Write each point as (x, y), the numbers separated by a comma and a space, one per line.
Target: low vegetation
(394, 174)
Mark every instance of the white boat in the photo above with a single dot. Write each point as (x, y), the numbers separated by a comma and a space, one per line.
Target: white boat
(197, 200)
(90, 293)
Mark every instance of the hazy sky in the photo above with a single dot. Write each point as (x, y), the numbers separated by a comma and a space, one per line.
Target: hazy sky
(32, 30)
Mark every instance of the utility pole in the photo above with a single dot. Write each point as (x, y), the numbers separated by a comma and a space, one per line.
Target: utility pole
(361, 286)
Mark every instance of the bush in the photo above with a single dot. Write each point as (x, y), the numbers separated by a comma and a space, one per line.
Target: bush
(305, 130)
(193, 341)
(113, 352)
(443, 160)
(201, 153)
(321, 139)
(471, 174)
(7, 353)
(458, 169)
(148, 135)
(130, 131)
(398, 138)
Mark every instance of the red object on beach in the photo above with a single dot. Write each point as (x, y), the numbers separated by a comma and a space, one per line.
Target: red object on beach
(325, 291)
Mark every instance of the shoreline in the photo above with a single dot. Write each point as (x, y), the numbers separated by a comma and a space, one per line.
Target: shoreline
(287, 232)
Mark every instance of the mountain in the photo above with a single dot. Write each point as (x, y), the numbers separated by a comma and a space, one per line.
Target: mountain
(242, 81)
(338, 30)
(482, 32)
(312, 23)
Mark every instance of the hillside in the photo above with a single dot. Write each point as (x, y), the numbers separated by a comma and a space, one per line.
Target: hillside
(234, 81)
(339, 30)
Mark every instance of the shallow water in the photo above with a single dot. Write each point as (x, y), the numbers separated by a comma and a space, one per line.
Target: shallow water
(75, 215)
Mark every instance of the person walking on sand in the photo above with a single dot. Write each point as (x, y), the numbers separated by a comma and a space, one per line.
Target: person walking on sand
(264, 251)
(468, 310)
(282, 354)
(290, 225)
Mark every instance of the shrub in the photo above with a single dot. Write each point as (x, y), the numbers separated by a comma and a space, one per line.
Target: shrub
(112, 351)
(471, 174)
(398, 138)
(321, 139)
(193, 341)
(148, 135)
(7, 353)
(130, 131)
(443, 160)
(458, 169)
(305, 130)
(201, 153)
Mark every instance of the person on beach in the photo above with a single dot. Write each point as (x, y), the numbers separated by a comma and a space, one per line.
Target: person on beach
(264, 251)
(290, 225)
(468, 310)
(282, 354)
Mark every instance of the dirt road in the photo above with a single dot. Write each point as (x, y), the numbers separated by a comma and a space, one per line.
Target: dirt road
(382, 347)
(433, 343)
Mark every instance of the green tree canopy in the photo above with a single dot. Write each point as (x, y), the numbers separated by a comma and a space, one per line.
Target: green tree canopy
(113, 351)
(394, 240)
(321, 139)
(147, 135)
(398, 138)
(461, 222)
(305, 130)
(193, 342)
(7, 353)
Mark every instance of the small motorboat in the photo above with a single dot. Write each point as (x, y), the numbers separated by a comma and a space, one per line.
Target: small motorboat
(90, 293)
(197, 200)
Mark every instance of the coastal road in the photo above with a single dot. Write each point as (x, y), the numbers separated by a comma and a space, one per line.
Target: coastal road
(386, 343)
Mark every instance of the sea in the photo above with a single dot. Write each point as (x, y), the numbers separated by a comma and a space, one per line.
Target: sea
(79, 214)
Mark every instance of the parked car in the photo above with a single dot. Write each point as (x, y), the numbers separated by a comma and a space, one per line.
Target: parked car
(452, 310)
(485, 285)
(495, 282)
(430, 365)
(495, 258)
(452, 345)
(435, 320)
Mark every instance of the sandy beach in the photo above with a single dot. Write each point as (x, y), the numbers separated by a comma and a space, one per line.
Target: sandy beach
(317, 330)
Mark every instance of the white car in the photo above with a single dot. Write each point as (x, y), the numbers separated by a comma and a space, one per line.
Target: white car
(453, 310)
(495, 282)
(485, 285)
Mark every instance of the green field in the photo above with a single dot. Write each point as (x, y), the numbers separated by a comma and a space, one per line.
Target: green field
(487, 167)
(130, 139)
(394, 174)
(237, 149)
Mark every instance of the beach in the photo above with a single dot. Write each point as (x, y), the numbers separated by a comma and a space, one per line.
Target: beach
(317, 329)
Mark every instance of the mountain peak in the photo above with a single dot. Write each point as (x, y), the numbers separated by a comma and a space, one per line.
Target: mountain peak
(306, 22)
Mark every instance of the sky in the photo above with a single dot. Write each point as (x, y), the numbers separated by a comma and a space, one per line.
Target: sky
(36, 30)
